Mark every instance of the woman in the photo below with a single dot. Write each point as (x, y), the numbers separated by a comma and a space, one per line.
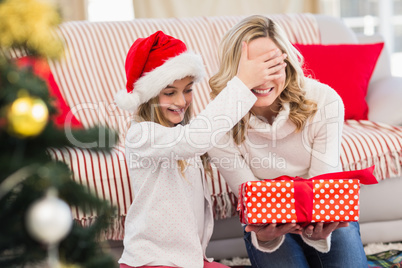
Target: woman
(294, 129)
(170, 221)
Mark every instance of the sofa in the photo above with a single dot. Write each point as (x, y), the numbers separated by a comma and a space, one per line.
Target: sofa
(92, 71)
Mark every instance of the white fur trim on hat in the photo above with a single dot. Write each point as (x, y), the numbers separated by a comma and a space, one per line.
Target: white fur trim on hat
(150, 84)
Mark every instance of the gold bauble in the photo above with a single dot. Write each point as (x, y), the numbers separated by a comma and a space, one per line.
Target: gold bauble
(27, 116)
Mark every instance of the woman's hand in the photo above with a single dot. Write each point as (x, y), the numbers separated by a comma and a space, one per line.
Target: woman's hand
(272, 231)
(322, 230)
(260, 70)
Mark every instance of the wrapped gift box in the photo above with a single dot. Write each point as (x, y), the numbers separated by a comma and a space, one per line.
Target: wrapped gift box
(326, 198)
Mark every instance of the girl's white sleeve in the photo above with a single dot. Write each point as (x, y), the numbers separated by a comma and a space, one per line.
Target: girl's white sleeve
(149, 139)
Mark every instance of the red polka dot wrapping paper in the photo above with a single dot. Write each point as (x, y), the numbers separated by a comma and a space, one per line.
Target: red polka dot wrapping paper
(326, 198)
(335, 200)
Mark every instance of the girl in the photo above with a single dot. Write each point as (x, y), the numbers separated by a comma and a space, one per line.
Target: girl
(294, 128)
(170, 221)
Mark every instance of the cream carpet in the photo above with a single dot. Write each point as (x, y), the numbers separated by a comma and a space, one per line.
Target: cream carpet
(380, 247)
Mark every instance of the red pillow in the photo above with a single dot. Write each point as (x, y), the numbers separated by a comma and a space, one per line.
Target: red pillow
(347, 68)
(42, 70)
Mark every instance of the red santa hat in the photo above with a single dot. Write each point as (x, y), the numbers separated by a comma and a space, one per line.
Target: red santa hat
(152, 64)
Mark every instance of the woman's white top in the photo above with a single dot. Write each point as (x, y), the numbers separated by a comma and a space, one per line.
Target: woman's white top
(273, 150)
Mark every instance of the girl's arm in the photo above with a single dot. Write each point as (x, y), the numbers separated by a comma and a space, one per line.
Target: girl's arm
(150, 139)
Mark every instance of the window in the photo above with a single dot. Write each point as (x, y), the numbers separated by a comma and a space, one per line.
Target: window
(376, 16)
(106, 10)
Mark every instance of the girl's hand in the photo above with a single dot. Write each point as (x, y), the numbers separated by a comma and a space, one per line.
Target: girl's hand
(271, 231)
(262, 69)
(321, 230)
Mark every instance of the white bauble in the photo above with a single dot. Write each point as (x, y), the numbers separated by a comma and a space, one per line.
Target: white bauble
(49, 219)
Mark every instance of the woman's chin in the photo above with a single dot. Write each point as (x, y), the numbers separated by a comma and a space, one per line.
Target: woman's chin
(261, 103)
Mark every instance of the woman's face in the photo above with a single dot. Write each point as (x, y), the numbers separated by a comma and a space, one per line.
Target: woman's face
(267, 93)
(175, 99)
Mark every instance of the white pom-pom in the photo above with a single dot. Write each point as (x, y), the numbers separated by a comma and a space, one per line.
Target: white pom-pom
(127, 101)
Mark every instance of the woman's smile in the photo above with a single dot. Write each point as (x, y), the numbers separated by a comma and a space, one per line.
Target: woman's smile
(262, 92)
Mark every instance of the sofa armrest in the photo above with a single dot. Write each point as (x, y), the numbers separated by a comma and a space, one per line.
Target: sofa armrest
(384, 101)
(334, 31)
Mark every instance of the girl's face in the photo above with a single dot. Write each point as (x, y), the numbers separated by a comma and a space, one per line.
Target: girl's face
(175, 99)
(267, 93)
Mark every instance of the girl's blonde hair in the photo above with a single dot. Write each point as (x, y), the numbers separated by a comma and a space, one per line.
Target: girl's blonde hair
(151, 111)
(247, 30)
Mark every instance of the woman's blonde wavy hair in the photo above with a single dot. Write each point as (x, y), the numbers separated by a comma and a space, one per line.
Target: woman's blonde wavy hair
(151, 111)
(247, 30)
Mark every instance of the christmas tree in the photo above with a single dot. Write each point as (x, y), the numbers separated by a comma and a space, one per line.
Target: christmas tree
(37, 192)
